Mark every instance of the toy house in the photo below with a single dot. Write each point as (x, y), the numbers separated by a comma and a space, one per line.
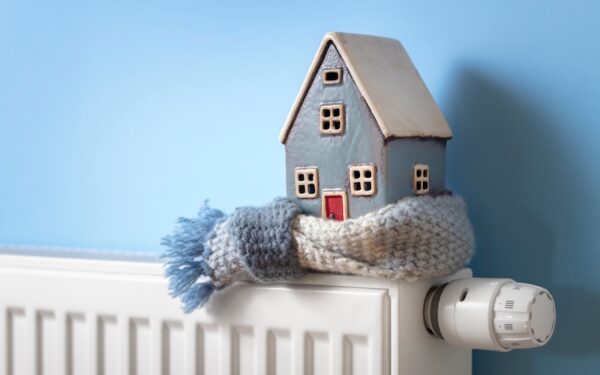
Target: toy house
(364, 130)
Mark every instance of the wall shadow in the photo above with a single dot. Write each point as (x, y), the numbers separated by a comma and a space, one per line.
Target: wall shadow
(510, 162)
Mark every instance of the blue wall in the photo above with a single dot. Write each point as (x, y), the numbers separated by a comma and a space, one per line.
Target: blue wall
(117, 118)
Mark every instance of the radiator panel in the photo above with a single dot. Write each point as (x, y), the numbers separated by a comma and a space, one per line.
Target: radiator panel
(67, 321)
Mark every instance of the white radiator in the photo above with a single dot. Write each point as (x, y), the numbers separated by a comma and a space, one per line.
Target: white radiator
(103, 317)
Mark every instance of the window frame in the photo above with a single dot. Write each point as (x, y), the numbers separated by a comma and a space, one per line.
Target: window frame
(361, 179)
(327, 82)
(305, 181)
(326, 114)
(421, 175)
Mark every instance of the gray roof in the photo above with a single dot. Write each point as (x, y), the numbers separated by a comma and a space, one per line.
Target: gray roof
(389, 82)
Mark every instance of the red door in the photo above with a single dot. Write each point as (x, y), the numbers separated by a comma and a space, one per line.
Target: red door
(334, 206)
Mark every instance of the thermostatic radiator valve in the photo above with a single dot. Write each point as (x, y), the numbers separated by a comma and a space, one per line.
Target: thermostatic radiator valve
(490, 314)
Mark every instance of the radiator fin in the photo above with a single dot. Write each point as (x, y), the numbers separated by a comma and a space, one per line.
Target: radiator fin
(242, 351)
(108, 345)
(317, 360)
(173, 348)
(279, 352)
(356, 355)
(140, 360)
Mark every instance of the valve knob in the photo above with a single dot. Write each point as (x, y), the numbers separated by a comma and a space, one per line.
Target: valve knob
(524, 316)
(490, 314)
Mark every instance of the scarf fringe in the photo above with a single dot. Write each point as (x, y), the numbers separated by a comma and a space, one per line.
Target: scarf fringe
(186, 258)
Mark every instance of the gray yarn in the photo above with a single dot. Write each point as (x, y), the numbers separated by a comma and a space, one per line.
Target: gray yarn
(263, 237)
(415, 238)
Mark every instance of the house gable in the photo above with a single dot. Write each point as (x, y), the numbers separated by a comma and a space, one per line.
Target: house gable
(361, 143)
(389, 83)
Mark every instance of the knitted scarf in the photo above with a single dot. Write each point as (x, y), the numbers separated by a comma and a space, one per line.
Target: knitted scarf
(417, 237)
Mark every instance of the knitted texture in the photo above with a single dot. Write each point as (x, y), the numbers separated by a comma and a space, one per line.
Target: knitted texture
(412, 239)
(263, 238)
(415, 238)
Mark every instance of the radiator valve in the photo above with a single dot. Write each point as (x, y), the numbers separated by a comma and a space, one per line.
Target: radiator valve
(490, 314)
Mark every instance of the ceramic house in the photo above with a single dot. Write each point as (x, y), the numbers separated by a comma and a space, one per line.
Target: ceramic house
(364, 130)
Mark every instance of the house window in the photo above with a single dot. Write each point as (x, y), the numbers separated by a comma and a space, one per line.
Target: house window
(362, 180)
(332, 119)
(421, 178)
(307, 182)
(332, 76)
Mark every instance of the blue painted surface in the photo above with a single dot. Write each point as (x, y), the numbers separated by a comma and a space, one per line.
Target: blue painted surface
(117, 118)
(361, 143)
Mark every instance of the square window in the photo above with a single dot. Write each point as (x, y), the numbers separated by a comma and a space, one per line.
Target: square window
(363, 180)
(421, 178)
(307, 182)
(332, 76)
(332, 119)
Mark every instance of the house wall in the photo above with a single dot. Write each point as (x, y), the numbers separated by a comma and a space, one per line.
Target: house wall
(362, 142)
(403, 154)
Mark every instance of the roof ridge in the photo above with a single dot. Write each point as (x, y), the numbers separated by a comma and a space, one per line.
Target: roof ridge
(385, 76)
